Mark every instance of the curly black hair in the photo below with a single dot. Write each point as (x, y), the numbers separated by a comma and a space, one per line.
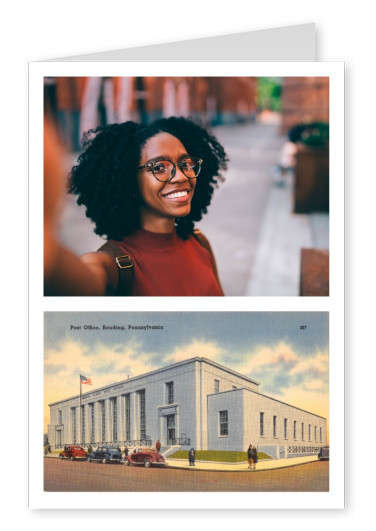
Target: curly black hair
(105, 176)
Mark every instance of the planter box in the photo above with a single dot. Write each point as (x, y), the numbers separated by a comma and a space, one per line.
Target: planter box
(314, 273)
(311, 185)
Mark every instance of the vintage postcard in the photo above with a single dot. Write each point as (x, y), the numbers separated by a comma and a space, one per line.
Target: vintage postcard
(193, 402)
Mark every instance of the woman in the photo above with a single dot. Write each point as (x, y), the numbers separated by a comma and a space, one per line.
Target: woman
(254, 457)
(144, 187)
(192, 457)
(250, 456)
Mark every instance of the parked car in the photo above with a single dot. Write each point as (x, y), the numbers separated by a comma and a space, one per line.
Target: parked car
(72, 453)
(145, 457)
(324, 453)
(106, 454)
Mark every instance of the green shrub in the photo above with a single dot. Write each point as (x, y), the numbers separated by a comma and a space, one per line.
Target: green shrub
(216, 455)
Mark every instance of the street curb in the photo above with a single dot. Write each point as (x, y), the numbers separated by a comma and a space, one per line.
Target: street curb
(247, 470)
(197, 467)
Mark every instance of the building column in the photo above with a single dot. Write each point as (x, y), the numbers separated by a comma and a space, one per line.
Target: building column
(121, 418)
(86, 425)
(108, 417)
(162, 431)
(177, 424)
(97, 422)
(135, 422)
(277, 451)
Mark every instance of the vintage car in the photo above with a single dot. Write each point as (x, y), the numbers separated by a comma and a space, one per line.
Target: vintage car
(72, 453)
(144, 457)
(324, 453)
(106, 454)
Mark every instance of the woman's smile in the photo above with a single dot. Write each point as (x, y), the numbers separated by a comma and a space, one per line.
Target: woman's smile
(180, 195)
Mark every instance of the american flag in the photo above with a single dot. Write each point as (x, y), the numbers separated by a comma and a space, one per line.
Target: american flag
(85, 380)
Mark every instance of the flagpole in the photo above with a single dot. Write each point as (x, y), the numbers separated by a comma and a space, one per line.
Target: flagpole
(80, 425)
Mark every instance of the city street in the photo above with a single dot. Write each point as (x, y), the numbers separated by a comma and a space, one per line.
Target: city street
(75, 476)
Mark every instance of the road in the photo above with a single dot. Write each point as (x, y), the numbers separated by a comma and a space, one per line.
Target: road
(74, 476)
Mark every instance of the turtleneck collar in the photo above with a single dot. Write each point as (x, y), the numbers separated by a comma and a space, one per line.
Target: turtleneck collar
(153, 241)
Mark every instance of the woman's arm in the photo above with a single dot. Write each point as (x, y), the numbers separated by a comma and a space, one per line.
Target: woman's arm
(64, 272)
(68, 274)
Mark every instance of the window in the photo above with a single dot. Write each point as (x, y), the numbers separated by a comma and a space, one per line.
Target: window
(262, 430)
(285, 428)
(128, 417)
(315, 433)
(141, 394)
(274, 426)
(59, 417)
(309, 432)
(114, 418)
(170, 392)
(216, 386)
(320, 434)
(294, 429)
(302, 431)
(223, 423)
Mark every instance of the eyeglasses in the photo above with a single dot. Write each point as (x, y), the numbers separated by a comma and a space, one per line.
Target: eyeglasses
(165, 170)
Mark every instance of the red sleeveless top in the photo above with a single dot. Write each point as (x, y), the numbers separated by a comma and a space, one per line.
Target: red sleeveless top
(166, 265)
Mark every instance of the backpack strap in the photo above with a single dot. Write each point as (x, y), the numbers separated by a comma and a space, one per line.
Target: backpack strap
(125, 268)
(204, 242)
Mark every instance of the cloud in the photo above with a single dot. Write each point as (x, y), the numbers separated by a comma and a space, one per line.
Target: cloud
(314, 385)
(280, 357)
(198, 347)
(103, 365)
(279, 368)
(318, 365)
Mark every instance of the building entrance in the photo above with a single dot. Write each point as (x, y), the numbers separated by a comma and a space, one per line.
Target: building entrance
(170, 429)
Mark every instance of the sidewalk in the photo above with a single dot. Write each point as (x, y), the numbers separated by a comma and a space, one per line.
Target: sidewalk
(276, 265)
(264, 464)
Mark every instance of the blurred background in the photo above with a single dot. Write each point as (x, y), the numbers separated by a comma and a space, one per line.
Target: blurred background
(268, 222)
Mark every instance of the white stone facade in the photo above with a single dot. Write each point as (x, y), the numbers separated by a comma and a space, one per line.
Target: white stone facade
(195, 402)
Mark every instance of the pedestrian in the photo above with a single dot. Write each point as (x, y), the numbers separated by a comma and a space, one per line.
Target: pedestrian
(254, 457)
(250, 456)
(158, 446)
(89, 449)
(191, 456)
(144, 187)
(49, 448)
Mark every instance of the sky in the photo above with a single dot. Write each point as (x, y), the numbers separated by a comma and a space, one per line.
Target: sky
(287, 352)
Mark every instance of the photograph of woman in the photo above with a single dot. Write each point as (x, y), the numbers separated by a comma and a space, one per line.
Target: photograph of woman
(140, 159)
